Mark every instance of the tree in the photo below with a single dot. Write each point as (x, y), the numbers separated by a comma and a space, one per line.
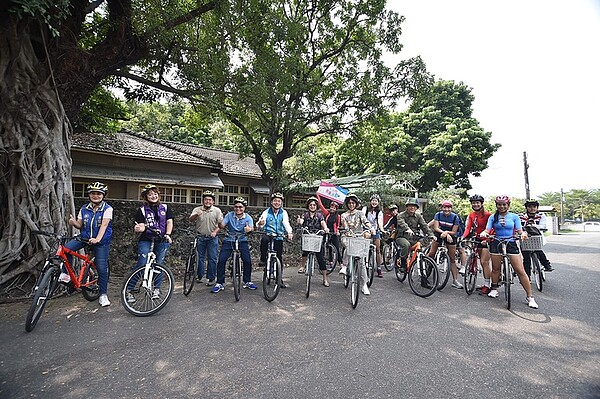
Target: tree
(53, 54)
(283, 72)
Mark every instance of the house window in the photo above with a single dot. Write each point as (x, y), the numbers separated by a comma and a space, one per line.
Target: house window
(228, 194)
(179, 195)
(196, 196)
(79, 190)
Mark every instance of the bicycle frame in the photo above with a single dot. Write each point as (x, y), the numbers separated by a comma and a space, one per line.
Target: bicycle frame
(61, 254)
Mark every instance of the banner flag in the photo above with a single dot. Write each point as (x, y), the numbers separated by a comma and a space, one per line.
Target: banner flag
(334, 193)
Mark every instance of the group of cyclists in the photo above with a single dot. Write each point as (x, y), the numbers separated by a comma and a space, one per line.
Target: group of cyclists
(154, 222)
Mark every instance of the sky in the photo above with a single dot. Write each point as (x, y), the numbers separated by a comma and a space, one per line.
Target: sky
(534, 69)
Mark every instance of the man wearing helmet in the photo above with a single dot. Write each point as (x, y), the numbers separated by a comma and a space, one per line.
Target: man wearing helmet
(313, 221)
(237, 222)
(476, 222)
(94, 221)
(207, 218)
(445, 227)
(409, 222)
(275, 220)
(534, 223)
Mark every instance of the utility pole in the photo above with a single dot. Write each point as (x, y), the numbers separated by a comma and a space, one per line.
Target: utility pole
(562, 207)
(526, 167)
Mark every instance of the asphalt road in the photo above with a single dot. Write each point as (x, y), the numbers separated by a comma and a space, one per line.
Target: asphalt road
(394, 345)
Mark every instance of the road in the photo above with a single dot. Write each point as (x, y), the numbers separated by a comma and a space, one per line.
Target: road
(393, 345)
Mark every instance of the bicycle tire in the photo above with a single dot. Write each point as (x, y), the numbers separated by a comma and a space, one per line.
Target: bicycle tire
(191, 272)
(443, 263)
(371, 266)
(401, 272)
(507, 282)
(90, 288)
(331, 258)
(471, 274)
(237, 276)
(272, 278)
(43, 292)
(347, 275)
(423, 277)
(537, 272)
(354, 285)
(388, 254)
(308, 271)
(144, 304)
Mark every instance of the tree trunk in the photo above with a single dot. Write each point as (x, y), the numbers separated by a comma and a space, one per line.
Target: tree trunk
(35, 183)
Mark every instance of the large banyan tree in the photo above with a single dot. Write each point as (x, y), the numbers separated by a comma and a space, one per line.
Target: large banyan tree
(53, 54)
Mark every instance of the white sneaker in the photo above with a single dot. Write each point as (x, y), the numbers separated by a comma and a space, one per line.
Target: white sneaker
(493, 294)
(462, 270)
(531, 302)
(103, 301)
(457, 284)
(156, 294)
(130, 298)
(365, 290)
(64, 278)
(343, 270)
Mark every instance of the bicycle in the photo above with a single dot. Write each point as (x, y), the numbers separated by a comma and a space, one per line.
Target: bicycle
(272, 270)
(506, 271)
(357, 248)
(421, 269)
(443, 263)
(83, 274)
(330, 254)
(311, 243)
(143, 291)
(191, 266)
(535, 243)
(472, 267)
(390, 253)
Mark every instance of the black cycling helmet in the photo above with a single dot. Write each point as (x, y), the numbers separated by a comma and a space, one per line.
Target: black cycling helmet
(312, 199)
(240, 200)
(476, 197)
(147, 188)
(208, 193)
(277, 195)
(531, 202)
(97, 186)
(352, 197)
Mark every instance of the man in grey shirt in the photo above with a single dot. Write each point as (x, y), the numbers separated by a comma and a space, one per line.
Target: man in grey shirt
(207, 218)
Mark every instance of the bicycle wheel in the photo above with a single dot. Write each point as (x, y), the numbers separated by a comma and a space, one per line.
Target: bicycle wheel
(507, 281)
(400, 271)
(331, 258)
(471, 274)
(347, 275)
(236, 266)
(308, 271)
(423, 277)
(371, 266)
(272, 278)
(90, 288)
(536, 271)
(191, 271)
(43, 291)
(389, 256)
(147, 299)
(443, 264)
(355, 280)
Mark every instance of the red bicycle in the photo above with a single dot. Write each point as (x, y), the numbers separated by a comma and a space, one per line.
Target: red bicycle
(82, 271)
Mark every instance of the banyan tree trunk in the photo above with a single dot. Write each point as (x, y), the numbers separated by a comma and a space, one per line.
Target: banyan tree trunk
(35, 162)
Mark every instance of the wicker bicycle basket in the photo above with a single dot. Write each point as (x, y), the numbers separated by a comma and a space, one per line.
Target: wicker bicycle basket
(311, 242)
(356, 246)
(533, 243)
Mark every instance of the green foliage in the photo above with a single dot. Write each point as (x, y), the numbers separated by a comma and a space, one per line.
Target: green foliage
(577, 204)
(52, 12)
(101, 113)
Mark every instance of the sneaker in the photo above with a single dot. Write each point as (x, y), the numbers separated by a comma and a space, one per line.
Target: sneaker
(456, 284)
(199, 280)
(218, 287)
(493, 293)
(531, 302)
(64, 278)
(365, 290)
(210, 283)
(425, 283)
(156, 294)
(103, 301)
(379, 273)
(250, 285)
(282, 285)
(548, 268)
(484, 290)
(462, 270)
(343, 270)
(300, 270)
(130, 298)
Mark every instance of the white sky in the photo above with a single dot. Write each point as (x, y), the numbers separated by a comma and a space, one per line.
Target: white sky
(534, 67)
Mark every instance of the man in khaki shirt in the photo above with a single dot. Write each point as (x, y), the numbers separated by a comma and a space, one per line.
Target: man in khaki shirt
(207, 218)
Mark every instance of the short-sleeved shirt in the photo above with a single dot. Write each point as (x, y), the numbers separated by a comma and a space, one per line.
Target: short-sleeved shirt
(235, 225)
(505, 226)
(354, 221)
(447, 223)
(208, 221)
(312, 223)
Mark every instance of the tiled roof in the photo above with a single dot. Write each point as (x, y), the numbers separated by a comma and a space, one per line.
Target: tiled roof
(137, 145)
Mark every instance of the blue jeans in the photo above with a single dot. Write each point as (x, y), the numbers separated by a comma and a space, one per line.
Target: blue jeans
(101, 261)
(226, 250)
(208, 246)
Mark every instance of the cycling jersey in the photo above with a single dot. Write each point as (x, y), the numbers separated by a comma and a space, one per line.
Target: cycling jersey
(476, 222)
(504, 226)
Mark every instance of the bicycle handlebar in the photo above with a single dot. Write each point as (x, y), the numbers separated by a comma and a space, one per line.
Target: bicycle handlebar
(62, 238)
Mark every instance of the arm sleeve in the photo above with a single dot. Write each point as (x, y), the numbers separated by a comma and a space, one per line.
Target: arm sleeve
(139, 216)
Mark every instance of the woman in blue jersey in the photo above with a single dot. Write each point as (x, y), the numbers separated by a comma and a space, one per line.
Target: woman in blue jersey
(504, 224)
